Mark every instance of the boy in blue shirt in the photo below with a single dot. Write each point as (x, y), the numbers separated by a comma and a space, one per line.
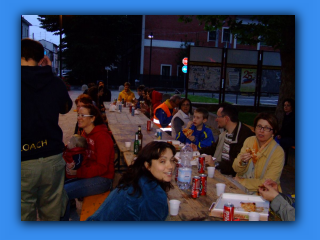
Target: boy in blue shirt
(202, 135)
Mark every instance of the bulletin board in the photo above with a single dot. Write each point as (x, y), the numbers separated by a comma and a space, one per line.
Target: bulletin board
(204, 78)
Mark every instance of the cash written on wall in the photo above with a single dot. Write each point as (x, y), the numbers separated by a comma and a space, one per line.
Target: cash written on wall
(248, 80)
(204, 78)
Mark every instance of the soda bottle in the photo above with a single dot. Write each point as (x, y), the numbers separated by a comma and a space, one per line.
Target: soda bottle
(136, 145)
(140, 137)
(184, 171)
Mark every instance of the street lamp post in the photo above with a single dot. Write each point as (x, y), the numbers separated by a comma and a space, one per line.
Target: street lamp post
(60, 57)
(151, 37)
(107, 69)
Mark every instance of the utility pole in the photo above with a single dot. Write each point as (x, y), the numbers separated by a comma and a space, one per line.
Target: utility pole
(60, 57)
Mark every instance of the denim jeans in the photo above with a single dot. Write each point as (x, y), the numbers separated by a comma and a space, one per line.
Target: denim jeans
(86, 187)
(42, 188)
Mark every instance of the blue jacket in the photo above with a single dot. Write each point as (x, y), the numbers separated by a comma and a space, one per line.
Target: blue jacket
(204, 137)
(120, 206)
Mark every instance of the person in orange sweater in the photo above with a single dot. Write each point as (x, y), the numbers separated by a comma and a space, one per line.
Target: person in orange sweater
(95, 176)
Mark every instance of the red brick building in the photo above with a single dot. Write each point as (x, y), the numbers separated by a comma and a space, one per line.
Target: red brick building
(168, 37)
(168, 48)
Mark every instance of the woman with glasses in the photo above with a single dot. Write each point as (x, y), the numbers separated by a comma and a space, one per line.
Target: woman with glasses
(141, 192)
(182, 117)
(81, 100)
(261, 157)
(96, 173)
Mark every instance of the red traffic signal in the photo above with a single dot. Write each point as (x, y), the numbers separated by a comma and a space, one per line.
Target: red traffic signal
(185, 61)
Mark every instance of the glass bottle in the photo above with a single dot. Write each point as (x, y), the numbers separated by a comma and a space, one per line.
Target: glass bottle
(136, 145)
(140, 137)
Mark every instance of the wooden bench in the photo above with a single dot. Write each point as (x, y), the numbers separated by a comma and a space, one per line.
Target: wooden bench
(91, 204)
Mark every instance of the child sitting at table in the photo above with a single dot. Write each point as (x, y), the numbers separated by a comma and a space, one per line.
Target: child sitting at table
(197, 132)
(75, 152)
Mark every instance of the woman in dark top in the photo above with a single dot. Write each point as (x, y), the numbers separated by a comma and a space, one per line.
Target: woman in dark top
(182, 117)
(145, 107)
(286, 136)
(141, 192)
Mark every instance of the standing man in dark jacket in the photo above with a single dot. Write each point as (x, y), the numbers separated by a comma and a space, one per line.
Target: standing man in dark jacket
(43, 97)
(230, 141)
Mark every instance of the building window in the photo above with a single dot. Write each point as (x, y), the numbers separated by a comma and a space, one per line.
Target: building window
(165, 70)
(212, 36)
(226, 35)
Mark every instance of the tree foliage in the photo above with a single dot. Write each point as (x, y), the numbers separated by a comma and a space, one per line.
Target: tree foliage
(277, 31)
(90, 42)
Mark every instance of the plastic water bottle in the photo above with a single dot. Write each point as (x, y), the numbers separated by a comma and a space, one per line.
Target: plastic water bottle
(184, 172)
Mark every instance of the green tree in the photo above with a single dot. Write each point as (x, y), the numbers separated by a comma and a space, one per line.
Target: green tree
(90, 42)
(277, 31)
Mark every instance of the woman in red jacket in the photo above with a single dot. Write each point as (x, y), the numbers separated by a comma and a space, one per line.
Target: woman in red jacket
(96, 173)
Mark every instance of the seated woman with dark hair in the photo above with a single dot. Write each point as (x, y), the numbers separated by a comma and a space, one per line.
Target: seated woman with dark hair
(261, 157)
(141, 192)
(182, 117)
(93, 93)
(145, 107)
(96, 173)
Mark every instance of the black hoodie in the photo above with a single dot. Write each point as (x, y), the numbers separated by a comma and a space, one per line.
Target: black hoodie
(43, 97)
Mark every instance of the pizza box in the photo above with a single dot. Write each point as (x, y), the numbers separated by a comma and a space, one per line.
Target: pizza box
(236, 199)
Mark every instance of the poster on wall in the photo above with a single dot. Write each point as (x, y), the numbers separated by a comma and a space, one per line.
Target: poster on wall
(204, 78)
(233, 79)
(248, 80)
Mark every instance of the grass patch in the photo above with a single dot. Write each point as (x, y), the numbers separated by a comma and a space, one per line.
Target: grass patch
(196, 98)
(247, 117)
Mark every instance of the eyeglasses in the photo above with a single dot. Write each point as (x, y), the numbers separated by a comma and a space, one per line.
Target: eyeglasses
(267, 129)
(83, 115)
(185, 105)
(221, 116)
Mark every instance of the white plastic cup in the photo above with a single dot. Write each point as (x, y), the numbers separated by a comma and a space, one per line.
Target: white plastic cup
(174, 207)
(128, 145)
(220, 188)
(211, 171)
(254, 216)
